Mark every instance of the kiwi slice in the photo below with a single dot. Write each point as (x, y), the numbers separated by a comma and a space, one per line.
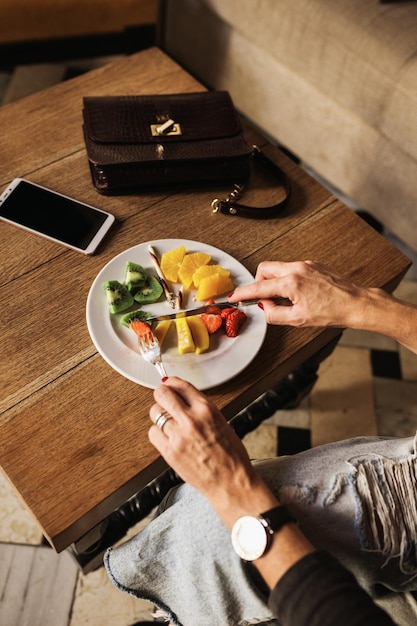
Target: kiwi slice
(118, 296)
(128, 318)
(149, 292)
(135, 276)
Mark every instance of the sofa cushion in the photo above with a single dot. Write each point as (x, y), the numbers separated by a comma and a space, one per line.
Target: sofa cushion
(334, 82)
(358, 53)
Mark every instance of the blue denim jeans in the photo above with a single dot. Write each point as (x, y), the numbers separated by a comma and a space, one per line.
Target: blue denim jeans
(356, 499)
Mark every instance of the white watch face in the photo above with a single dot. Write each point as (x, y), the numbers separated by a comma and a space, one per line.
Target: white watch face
(249, 538)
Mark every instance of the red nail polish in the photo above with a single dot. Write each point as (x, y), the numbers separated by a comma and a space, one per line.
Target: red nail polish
(260, 305)
(165, 378)
(230, 294)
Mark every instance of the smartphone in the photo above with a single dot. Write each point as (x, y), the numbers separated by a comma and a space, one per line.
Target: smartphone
(57, 217)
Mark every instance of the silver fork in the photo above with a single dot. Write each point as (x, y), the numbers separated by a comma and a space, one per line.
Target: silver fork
(151, 351)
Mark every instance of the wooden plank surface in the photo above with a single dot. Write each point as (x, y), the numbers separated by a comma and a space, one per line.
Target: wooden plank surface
(73, 436)
(36, 586)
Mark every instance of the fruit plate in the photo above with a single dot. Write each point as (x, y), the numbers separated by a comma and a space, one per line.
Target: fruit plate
(118, 345)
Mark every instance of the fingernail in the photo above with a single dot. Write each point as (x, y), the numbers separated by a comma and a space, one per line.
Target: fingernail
(260, 305)
(230, 294)
(165, 378)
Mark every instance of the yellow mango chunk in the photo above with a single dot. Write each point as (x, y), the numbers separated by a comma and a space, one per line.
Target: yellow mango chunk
(161, 329)
(185, 338)
(200, 333)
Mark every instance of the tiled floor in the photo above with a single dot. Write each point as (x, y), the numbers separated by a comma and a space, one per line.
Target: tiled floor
(367, 386)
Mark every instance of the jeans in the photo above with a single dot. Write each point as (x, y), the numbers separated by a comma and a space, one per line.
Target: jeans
(356, 499)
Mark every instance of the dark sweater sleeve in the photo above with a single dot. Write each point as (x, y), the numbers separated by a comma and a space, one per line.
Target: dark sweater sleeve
(318, 591)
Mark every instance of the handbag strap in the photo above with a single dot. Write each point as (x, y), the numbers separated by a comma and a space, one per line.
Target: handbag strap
(229, 206)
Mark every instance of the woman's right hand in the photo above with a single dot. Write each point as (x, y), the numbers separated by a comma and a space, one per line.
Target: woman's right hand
(318, 295)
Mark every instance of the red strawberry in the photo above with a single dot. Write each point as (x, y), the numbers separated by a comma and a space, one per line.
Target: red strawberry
(142, 329)
(233, 322)
(216, 310)
(226, 312)
(212, 321)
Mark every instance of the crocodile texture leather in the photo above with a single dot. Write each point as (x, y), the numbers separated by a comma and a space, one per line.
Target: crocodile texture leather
(124, 154)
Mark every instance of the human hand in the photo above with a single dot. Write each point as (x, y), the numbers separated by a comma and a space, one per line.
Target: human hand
(319, 296)
(203, 449)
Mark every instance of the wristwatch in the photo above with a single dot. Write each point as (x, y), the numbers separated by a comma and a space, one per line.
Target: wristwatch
(251, 536)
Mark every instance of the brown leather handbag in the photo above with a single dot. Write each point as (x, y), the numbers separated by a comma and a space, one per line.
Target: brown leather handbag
(137, 142)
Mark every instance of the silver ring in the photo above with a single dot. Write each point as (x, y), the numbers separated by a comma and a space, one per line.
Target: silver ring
(162, 419)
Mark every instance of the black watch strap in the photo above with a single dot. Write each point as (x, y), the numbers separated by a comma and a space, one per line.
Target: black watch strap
(277, 517)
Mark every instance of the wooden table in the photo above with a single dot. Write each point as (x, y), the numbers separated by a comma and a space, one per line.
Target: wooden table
(73, 439)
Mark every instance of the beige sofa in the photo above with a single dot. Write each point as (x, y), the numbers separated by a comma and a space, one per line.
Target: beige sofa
(333, 81)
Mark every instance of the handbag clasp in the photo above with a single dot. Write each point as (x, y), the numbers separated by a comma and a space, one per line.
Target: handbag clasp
(167, 128)
(217, 205)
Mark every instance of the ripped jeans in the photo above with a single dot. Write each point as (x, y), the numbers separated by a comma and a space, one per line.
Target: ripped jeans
(356, 499)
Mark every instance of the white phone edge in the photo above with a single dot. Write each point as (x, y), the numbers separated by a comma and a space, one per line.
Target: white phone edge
(94, 242)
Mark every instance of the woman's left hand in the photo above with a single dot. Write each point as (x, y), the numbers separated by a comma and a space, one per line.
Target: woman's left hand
(199, 444)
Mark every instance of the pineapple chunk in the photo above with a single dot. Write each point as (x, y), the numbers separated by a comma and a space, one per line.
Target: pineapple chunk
(185, 338)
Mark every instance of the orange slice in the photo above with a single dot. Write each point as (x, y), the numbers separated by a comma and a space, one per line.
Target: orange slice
(190, 263)
(171, 262)
(208, 270)
(214, 285)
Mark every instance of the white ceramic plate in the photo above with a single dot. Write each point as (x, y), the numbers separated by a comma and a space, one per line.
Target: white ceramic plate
(117, 344)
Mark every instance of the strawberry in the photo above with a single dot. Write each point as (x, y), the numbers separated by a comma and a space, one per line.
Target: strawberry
(233, 322)
(225, 312)
(212, 321)
(140, 328)
(216, 310)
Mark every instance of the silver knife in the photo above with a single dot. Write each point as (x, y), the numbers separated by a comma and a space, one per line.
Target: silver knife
(206, 307)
